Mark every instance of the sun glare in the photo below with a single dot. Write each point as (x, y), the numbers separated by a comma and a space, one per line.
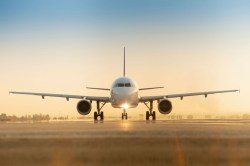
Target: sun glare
(125, 106)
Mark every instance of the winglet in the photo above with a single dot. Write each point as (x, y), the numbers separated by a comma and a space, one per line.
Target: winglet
(124, 64)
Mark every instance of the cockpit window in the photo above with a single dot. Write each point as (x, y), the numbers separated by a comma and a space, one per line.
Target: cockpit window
(123, 85)
(127, 85)
(120, 85)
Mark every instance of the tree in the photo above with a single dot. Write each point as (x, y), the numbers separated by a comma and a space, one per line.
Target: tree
(3, 117)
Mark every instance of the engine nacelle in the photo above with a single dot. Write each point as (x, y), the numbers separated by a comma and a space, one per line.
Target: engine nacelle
(84, 107)
(165, 106)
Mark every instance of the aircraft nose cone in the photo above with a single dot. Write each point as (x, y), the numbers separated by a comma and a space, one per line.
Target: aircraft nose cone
(123, 91)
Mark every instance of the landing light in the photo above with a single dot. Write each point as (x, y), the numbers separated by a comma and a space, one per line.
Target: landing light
(125, 106)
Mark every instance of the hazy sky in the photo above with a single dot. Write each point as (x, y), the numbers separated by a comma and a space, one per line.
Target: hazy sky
(185, 45)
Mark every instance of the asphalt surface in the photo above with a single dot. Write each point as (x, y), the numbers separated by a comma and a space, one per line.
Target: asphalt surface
(181, 142)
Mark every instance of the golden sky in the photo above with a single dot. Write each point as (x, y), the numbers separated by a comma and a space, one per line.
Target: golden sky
(190, 47)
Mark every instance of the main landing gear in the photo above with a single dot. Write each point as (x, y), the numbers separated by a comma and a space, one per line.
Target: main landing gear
(99, 113)
(124, 114)
(150, 112)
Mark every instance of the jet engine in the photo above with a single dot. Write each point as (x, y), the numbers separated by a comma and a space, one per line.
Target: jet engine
(165, 106)
(84, 107)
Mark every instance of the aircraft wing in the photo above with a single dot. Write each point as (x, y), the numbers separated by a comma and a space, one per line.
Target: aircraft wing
(43, 95)
(150, 98)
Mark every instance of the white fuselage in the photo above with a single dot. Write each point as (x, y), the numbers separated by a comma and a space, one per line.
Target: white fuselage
(124, 93)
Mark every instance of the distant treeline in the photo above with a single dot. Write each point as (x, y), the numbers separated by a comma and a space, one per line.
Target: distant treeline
(178, 117)
(35, 117)
(46, 117)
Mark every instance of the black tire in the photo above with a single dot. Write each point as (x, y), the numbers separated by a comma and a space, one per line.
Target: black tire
(102, 116)
(126, 116)
(95, 116)
(122, 116)
(147, 115)
(153, 115)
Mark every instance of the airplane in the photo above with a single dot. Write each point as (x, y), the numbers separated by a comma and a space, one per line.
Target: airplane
(124, 93)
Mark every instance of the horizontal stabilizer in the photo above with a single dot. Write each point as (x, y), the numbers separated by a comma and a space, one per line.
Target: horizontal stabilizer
(97, 88)
(151, 88)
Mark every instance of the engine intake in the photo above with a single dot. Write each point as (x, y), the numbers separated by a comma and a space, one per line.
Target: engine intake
(84, 107)
(165, 106)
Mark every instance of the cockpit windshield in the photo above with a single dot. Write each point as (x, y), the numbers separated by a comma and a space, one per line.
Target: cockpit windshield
(123, 85)
(120, 85)
(127, 85)
(124, 82)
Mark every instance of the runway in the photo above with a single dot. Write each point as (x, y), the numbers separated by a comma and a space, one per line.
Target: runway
(180, 142)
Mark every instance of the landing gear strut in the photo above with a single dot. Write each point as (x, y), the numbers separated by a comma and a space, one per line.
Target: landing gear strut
(99, 113)
(150, 112)
(124, 114)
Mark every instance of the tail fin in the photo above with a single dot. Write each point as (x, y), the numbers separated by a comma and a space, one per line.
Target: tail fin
(124, 64)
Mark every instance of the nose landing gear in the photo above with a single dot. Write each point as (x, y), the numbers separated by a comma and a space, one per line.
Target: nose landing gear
(150, 112)
(124, 114)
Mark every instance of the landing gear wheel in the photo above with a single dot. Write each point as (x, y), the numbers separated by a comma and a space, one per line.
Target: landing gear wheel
(150, 112)
(101, 116)
(99, 113)
(95, 115)
(147, 115)
(153, 115)
(124, 116)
